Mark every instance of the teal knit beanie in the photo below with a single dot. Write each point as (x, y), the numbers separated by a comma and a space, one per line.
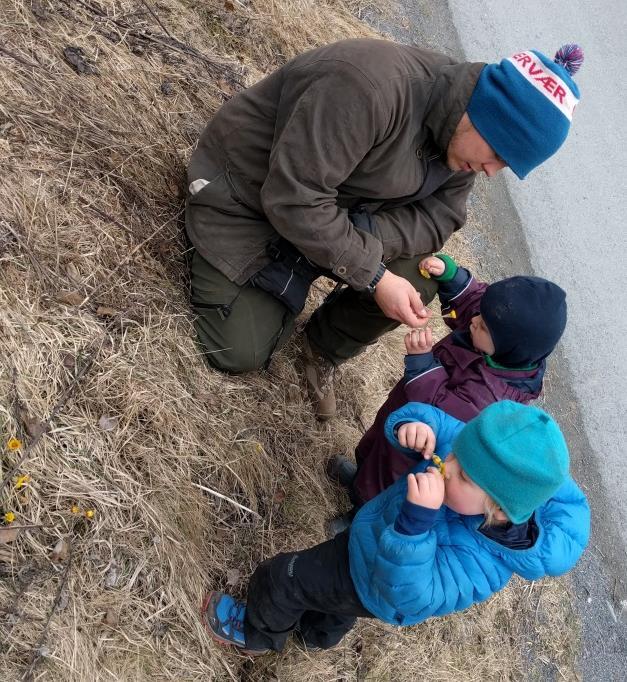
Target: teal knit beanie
(517, 454)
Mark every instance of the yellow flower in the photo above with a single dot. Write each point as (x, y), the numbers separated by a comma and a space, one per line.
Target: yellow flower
(14, 444)
(90, 513)
(439, 464)
(9, 517)
(424, 273)
(75, 509)
(22, 481)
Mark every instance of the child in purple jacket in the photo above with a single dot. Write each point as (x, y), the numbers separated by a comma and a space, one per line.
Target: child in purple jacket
(500, 337)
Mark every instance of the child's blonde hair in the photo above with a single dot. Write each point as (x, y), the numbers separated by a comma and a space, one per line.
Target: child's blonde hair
(490, 511)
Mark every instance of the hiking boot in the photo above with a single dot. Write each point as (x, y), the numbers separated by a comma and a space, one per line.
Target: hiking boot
(302, 643)
(223, 616)
(320, 374)
(339, 524)
(342, 470)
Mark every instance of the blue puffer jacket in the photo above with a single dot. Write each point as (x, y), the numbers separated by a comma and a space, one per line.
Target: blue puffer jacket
(404, 579)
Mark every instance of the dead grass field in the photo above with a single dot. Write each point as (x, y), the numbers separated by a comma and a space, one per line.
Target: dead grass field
(95, 331)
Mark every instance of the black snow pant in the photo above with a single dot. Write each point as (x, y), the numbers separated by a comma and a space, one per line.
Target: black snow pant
(310, 592)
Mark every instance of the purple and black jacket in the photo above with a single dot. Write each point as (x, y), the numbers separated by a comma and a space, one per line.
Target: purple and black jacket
(454, 377)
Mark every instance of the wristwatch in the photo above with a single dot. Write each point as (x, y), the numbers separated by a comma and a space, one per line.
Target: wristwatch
(377, 278)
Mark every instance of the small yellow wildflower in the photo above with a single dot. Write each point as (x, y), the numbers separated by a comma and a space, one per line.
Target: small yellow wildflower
(9, 517)
(90, 513)
(75, 509)
(14, 444)
(424, 273)
(21, 481)
(439, 464)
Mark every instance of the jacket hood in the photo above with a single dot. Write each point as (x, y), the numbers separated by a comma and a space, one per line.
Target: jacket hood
(449, 99)
(568, 507)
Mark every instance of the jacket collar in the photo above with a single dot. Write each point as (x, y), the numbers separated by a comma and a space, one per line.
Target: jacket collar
(449, 100)
(460, 350)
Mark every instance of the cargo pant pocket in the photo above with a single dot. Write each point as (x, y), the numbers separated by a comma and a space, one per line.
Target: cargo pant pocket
(239, 328)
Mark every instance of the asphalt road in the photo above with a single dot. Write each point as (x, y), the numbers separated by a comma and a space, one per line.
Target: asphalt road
(573, 208)
(572, 215)
(564, 222)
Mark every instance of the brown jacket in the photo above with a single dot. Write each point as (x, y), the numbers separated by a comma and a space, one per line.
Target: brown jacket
(350, 124)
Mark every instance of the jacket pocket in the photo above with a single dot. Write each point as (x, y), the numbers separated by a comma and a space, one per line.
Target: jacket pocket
(217, 194)
(197, 186)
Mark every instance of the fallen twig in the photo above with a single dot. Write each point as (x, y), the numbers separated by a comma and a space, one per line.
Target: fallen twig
(28, 527)
(36, 653)
(18, 613)
(111, 219)
(228, 499)
(165, 40)
(125, 260)
(47, 423)
(155, 16)
(17, 57)
(41, 271)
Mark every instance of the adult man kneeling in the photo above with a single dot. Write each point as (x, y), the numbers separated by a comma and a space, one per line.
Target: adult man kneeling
(353, 161)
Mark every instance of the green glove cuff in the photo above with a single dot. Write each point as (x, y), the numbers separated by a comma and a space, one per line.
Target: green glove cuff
(450, 268)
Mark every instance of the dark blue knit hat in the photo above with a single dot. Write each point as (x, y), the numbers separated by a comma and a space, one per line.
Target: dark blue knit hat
(523, 106)
(526, 317)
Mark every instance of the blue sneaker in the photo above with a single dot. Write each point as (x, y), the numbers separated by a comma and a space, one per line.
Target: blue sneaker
(223, 616)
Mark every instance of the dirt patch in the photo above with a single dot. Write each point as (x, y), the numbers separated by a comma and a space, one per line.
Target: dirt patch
(119, 536)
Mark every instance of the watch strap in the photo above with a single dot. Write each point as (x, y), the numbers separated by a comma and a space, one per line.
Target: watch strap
(377, 278)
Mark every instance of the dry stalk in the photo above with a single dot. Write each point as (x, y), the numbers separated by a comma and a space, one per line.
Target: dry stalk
(125, 260)
(214, 66)
(227, 499)
(155, 16)
(46, 424)
(36, 654)
(18, 58)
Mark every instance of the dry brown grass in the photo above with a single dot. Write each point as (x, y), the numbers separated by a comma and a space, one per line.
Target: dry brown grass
(90, 203)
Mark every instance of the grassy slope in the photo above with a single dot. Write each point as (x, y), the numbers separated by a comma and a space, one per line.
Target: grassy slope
(90, 203)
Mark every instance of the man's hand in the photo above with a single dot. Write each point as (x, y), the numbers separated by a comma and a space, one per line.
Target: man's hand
(426, 489)
(419, 341)
(417, 436)
(433, 265)
(399, 301)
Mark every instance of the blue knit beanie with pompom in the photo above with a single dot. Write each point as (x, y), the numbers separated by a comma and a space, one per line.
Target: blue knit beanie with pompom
(523, 107)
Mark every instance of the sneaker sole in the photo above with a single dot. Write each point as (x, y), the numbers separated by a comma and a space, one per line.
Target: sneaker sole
(221, 640)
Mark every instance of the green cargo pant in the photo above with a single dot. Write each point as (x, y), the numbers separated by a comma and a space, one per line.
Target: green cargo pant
(239, 328)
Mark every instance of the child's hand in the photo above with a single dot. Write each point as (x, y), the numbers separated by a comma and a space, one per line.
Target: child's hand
(433, 265)
(419, 341)
(417, 436)
(426, 489)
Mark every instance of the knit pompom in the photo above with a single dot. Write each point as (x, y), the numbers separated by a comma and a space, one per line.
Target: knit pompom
(570, 56)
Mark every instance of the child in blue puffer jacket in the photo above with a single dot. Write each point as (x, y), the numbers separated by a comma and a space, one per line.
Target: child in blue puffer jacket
(433, 543)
